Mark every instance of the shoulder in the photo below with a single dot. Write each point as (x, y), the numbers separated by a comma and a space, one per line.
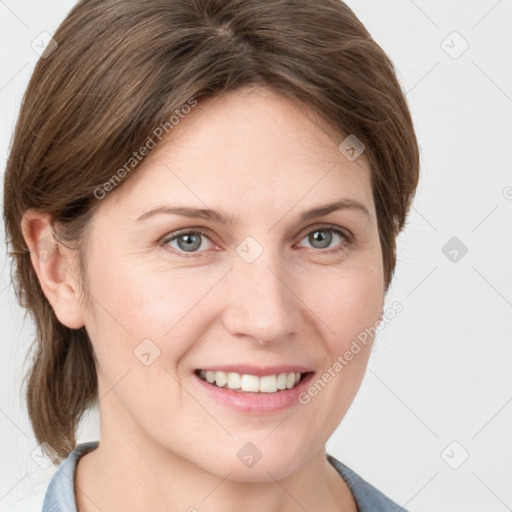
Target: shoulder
(368, 498)
(60, 495)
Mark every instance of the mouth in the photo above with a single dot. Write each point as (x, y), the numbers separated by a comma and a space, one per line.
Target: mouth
(248, 383)
(252, 389)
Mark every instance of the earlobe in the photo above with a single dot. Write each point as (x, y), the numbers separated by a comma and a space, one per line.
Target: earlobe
(50, 260)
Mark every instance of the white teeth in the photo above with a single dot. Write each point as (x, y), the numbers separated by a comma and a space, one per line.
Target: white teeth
(281, 381)
(268, 384)
(221, 379)
(251, 383)
(234, 380)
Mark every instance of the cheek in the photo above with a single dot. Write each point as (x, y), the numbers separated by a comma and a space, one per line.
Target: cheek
(348, 302)
(133, 304)
(349, 307)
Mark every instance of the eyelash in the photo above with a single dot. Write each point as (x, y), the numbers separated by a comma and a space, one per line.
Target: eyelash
(347, 237)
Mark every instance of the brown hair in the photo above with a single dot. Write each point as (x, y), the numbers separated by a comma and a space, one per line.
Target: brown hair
(121, 68)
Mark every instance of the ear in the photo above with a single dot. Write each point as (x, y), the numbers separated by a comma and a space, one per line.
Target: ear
(52, 264)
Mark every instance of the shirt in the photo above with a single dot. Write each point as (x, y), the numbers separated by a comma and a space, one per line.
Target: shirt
(60, 495)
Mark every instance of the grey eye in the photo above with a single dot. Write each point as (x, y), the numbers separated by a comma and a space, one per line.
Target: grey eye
(190, 241)
(321, 237)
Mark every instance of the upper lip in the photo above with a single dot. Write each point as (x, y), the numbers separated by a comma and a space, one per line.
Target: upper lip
(259, 371)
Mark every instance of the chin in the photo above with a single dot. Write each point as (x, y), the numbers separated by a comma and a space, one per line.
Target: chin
(261, 460)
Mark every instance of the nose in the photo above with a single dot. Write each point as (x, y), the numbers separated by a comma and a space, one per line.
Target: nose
(260, 302)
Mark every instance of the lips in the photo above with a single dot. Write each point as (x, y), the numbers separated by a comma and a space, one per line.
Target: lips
(250, 383)
(259, 371)
(254, 390)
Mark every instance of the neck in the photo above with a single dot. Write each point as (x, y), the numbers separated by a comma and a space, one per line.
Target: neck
(130, 473)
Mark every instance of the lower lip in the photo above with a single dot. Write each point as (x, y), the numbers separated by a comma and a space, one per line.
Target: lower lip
(255, 403)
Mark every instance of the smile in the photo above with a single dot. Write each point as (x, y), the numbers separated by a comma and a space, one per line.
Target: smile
(246, 383)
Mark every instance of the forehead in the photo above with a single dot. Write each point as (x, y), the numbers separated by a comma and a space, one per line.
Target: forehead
(250, 148)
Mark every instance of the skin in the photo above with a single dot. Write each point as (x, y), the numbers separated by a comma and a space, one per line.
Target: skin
(263, 159)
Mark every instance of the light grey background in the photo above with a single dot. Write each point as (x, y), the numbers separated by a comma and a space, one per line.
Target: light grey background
(438, 387)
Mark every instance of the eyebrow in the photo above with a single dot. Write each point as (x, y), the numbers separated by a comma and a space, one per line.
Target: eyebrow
(222, 218)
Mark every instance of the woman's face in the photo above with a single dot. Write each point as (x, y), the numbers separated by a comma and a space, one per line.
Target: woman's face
(272, 292)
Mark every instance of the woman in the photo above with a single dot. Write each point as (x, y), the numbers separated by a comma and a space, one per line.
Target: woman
(202, 199)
